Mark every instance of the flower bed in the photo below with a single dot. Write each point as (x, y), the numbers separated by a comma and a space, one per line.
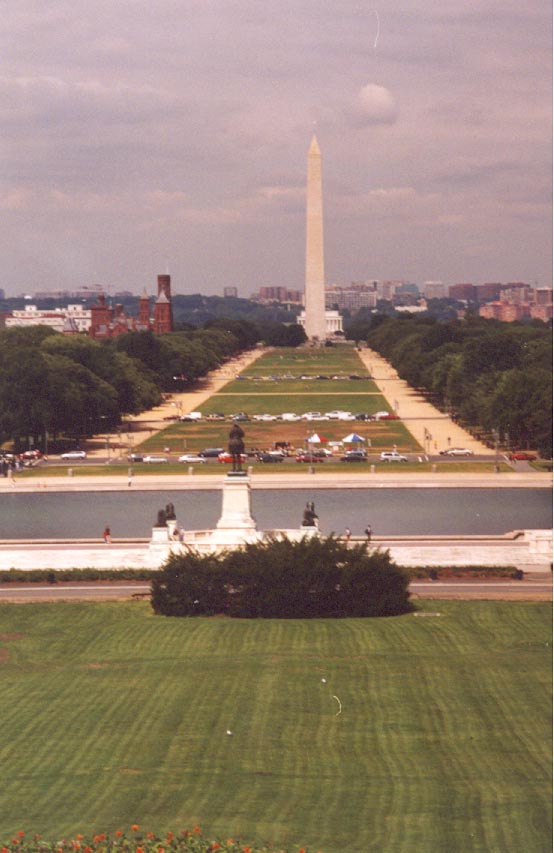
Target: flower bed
(137, 841)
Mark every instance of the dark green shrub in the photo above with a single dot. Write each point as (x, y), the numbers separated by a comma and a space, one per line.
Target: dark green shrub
(283, 579)
(190, 585)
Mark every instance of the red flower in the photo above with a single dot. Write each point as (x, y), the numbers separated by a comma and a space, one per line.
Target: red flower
(196, 829)
(134, 827)
(139, 850)
(118, 833)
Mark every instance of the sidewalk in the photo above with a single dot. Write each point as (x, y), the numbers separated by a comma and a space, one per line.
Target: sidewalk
(418, 415)
(294, 479)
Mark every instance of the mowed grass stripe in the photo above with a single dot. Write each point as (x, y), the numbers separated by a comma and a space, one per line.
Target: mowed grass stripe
(142, 707)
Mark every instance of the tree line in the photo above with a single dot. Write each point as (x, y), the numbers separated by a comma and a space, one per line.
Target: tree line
(52, 384)
(495, 378)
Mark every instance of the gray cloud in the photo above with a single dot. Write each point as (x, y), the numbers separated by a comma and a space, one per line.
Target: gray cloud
(137, 131)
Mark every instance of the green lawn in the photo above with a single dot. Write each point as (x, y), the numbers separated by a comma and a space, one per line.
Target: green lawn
(275, 404)
(111, 715)
(313, 362)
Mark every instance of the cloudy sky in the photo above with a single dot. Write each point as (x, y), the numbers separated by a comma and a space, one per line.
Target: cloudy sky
(137, 134)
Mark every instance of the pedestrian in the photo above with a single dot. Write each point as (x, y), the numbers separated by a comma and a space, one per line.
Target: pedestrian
(130, 474)
(368, 533)
(107, 535)
(347, 535)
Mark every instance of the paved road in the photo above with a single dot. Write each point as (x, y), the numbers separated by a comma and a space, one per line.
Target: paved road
(537, 589)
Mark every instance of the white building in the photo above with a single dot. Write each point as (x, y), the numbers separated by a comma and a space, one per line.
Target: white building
(68, 321)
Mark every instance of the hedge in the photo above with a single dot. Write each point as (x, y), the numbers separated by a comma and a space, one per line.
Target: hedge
(283, 579)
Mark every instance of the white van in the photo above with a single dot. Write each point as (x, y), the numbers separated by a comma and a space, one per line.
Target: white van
(192, 416)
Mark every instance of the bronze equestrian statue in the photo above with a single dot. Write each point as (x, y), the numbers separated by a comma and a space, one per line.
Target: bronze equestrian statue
(236, 446)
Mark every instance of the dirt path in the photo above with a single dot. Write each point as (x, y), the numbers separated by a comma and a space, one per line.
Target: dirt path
(419, 416)
(156, 419)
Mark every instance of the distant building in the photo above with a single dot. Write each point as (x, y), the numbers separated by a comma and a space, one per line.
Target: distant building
(488, 292)
(463, 292)
(278, 294)
(434, 290)
(230, 292)
(519, 301)
(387, 289)
(86, 292)
(108, 322)
(349, 299)
(68, 321)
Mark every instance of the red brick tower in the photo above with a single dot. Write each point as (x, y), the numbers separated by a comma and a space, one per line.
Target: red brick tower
(144, 310)
(101, 316)
(164, 286)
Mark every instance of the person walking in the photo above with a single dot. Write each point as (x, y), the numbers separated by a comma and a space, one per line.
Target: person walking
(107, 534)
(368, 533)
(130, 474)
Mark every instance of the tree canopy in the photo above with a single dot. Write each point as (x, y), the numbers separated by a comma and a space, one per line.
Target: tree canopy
(491, 375)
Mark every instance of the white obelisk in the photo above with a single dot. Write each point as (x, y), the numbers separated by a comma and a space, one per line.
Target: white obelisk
(314, 293)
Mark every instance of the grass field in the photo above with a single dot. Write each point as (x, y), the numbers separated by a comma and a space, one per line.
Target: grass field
(256, 395)
(111, 716)
(325, 360)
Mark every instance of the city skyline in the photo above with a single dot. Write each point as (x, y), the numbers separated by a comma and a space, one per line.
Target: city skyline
(176, 134)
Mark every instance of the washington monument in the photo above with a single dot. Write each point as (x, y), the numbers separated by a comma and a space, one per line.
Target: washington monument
(314, 292)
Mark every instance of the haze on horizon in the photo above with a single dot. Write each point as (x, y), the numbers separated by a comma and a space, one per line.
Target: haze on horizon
(140, 134)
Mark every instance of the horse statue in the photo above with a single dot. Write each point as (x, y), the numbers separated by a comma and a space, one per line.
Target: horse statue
(236, 446)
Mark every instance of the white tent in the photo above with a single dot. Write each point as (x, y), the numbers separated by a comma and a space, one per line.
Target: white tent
(353, 438)
(315, 439)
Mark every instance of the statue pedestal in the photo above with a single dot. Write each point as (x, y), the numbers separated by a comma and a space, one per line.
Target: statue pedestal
(235, 512)
(160, 543)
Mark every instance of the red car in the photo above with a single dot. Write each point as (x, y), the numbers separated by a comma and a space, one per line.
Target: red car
(226, 457)
(31, 454)
(522, 456)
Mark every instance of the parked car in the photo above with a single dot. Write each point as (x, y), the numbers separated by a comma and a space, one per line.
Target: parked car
(192, 458)
(456, 451)
(215, 416)
(135, 457)
(74, 454)
(211, 452)
(522, 456)
(155, 459)
(192, 416)
(227, 458)
(314, 416)
(264, 417)
(354, 456)
(290, 416)
(270, 457)
(309, 457)
(392, 456)
(379, 415)
(31, 454)
(390, 416)
(361, 416)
